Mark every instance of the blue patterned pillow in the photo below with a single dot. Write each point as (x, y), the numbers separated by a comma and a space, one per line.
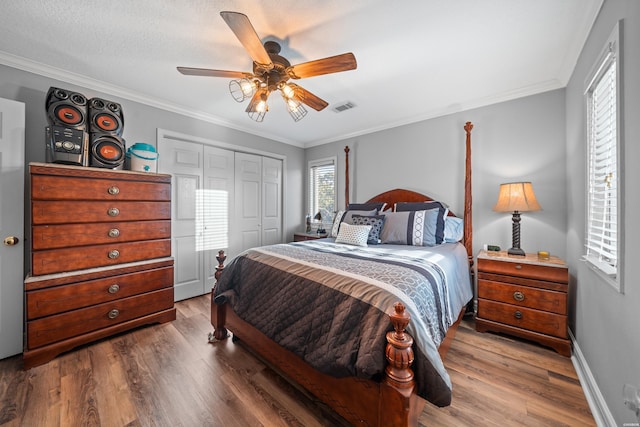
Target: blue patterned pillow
(443, 211)
(414, 228)
(376, 222)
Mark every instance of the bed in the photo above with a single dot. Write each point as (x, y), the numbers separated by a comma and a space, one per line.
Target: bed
(364, 328)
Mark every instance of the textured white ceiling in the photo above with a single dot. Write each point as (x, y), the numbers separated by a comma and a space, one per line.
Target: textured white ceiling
(417, 59)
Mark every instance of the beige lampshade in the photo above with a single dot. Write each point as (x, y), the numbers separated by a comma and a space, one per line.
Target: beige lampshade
(516, 196)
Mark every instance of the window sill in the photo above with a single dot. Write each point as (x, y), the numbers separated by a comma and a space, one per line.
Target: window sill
(596, 268)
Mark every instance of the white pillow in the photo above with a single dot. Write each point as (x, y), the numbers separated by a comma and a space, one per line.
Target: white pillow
(453, 229)
(353, 234)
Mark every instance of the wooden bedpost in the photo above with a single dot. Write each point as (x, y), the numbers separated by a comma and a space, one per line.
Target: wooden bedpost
(218, 312)
(467, 218)
(398, 387)
(346, 177)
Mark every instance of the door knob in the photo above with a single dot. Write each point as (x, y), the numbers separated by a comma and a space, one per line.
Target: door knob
(11, 241)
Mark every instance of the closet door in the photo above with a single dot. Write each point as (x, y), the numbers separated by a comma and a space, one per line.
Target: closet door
(184, 161)
(217, 202)
(271, 201)
(248, 208)
(202, 186)
(258, 206)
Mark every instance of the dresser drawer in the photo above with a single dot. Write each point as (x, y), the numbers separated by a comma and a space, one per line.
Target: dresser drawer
(66, 235)
(524, 269)
(73, 323)
(71, 259)
(68, 212)
(58, 299)
(75, 188)
(525, 318)
(523, 296)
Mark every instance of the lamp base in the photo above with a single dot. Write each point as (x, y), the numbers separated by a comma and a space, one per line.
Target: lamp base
(516, 251)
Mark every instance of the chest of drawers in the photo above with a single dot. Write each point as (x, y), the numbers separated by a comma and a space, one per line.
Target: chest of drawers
(525, 297)
(100, 256)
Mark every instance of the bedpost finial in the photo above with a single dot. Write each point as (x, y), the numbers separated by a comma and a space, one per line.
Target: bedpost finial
(400, 319)
(399, 353)
(468, 126)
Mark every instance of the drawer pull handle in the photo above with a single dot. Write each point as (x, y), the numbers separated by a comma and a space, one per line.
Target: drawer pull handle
(518, 267)
(518, 296)
(114, 254)
(113, 313)
(517, 314)
(113, 212)
(113, 190)
(114, 232)
(113, 289)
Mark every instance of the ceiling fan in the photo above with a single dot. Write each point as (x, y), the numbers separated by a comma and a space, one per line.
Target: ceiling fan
(272, 72)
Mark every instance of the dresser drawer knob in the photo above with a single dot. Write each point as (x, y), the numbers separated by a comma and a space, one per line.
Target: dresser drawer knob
(113, 212)
(517, 314)
(518, 296)
(518, 267)
(114, 254)
(113, 190)
(113, 313)
(113, 289)
(114, 232)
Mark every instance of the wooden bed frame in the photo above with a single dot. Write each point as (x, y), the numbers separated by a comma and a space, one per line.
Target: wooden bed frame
(392, 401)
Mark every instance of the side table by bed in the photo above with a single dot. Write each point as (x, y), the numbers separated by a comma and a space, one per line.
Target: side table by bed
(524, 296)
(302, 236)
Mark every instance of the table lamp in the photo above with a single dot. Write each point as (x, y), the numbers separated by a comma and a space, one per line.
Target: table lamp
(516, 197)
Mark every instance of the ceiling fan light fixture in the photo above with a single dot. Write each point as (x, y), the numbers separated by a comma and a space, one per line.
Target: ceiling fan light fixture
(242, 89)
(257, 116)
(295, 108)
(287, 91)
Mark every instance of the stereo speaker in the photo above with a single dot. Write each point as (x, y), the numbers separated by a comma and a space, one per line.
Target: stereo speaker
(106, 151)
(106, 123)
(67, 109)
(105, 117)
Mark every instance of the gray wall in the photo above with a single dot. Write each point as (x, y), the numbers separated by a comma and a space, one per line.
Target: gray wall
(511, 141)
(607, 322)
(140, 124)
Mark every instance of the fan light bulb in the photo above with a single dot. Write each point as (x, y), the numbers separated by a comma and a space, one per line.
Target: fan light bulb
(287, 91)
(242, 89)
(261, 106)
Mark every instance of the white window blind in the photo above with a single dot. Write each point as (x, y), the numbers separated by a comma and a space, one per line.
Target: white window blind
(602, 240)
(322, 189)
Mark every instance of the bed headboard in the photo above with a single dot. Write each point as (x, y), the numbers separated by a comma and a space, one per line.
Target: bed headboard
(391, 197)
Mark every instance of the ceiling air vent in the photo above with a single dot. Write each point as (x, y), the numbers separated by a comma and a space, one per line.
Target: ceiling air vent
(344, 107)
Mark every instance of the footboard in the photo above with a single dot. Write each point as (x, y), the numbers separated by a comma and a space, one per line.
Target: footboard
(392, 402)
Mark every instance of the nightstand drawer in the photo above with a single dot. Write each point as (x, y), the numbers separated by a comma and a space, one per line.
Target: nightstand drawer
(524, 269)
(525, 318)
(523, 296)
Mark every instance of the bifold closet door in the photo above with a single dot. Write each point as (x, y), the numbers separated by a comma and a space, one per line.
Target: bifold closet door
(202, 187)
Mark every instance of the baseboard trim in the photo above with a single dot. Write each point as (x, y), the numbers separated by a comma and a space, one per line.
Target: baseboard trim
(597, 404)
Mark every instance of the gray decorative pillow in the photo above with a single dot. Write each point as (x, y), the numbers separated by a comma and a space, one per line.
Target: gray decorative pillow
(415, 228)
(376, 222)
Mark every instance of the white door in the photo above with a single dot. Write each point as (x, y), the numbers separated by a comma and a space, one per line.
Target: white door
(217, 201)
(248, 209)
(12, 125)
(184, 162)
(271, 201)
(202, 194)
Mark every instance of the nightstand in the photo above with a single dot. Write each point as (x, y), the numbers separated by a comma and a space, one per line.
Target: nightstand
(525, 297)
(301, 237)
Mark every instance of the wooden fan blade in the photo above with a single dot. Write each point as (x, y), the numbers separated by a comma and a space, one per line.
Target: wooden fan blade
(332, 64)
(214, 73)
(308, 98)
(244, 31)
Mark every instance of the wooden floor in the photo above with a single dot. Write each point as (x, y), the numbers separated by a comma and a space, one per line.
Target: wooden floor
(168, 375)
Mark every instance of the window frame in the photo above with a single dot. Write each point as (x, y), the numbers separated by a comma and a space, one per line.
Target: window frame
(326, 161)
(610, 55)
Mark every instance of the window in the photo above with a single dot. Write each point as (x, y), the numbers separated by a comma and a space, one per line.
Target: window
(604, 225)
(322, 189)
